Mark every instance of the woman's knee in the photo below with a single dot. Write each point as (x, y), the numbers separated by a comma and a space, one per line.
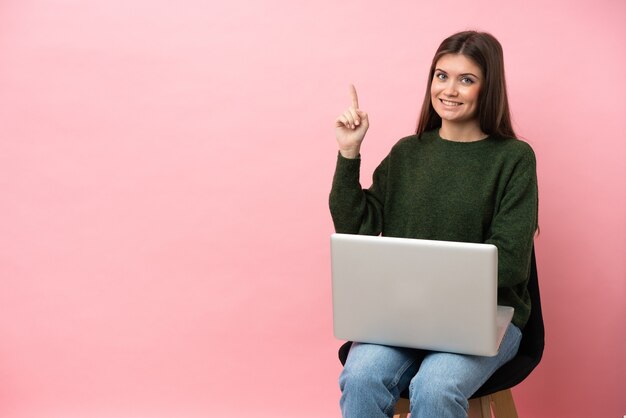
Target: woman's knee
(368, 388)
(356, 376)
(374, 367)
(436, 393)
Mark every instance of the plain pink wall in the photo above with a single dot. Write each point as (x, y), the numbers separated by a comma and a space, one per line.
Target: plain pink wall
(164, 174)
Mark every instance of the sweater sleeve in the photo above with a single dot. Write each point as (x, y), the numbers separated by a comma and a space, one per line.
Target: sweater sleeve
(356, 210)
(515, 222)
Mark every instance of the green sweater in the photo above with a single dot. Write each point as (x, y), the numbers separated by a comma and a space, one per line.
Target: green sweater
(432, 188)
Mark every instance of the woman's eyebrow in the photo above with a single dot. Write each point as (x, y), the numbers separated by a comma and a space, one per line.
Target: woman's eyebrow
(460, 75)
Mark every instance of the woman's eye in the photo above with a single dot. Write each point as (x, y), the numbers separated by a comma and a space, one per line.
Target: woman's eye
(441, 76)
(467, 80)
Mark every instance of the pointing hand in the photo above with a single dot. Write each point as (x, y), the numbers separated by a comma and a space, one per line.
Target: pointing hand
(350, 128)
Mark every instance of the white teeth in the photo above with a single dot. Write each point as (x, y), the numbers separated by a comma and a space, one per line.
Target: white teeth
(449, 103)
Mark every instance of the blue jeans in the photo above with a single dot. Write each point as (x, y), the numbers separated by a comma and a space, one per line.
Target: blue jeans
(439, 386)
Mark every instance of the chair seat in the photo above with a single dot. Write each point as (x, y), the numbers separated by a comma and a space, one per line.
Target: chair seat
(507, 376)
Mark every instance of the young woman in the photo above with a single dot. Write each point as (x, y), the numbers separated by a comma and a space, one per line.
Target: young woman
(462, 177)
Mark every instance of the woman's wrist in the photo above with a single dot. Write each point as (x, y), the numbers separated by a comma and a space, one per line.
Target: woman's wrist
(350, 154)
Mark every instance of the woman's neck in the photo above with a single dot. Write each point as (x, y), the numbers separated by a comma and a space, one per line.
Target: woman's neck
(467, 132)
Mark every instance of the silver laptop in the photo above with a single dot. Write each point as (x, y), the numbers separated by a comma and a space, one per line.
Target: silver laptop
(433, 295)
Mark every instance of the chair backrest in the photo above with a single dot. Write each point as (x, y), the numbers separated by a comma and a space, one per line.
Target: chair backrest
(533, 340)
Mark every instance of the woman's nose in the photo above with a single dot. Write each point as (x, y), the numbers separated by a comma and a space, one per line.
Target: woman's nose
(450, 89)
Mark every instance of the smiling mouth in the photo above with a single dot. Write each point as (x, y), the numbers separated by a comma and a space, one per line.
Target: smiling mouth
(449, 103)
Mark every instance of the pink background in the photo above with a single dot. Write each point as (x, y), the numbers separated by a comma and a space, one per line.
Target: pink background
(164, 175)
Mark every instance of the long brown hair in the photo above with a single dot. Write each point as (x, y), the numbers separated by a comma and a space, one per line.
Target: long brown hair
(493, 104)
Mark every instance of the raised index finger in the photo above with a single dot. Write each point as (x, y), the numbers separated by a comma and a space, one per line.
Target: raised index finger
(355, 98)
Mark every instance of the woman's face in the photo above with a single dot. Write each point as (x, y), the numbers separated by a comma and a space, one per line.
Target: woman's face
(455, 88)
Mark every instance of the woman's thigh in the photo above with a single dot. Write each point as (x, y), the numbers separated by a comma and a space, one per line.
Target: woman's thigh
(392, 366)
(465, 373)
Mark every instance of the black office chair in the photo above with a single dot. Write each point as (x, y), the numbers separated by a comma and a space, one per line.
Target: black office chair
(496, 392)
